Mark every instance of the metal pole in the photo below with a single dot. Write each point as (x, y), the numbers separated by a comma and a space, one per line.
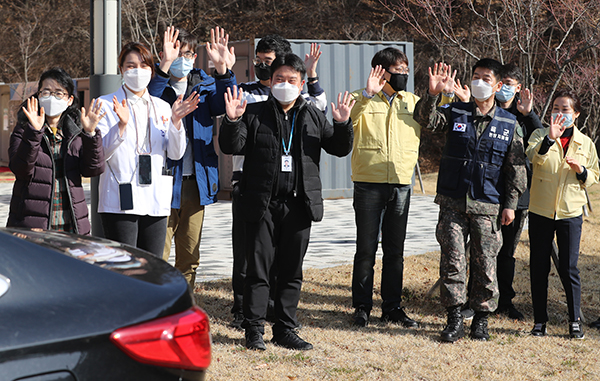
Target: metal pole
(105, 32)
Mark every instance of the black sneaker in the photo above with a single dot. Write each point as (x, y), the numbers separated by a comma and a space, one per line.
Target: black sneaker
(479, 327)
(238, 319)
(511, 312)
(515, 314)
(454, 329)
(539, 330)
(290, 340)
(595, 324)
(576, 330)
(254, 339)
(397, 315)
(361, 317)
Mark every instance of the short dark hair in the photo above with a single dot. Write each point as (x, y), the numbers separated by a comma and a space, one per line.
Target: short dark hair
(274, 43)
(186, 38)
(491, 64)
(512, 71)
(564, 93)
(290, 60)
(389, 57)
(64, 79)
(140, 48)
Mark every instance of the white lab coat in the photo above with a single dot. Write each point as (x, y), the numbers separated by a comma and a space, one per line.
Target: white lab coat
(122, 157)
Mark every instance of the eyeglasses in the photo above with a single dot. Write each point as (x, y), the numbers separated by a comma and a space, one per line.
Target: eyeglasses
(402, 70)
(258, 61)
(187, 55)
(57, 94)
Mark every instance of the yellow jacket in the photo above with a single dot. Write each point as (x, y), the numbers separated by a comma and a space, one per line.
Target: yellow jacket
(555, 190)
(386, 138)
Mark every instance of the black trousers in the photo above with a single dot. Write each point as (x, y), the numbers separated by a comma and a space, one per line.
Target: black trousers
(568, 235)
(278, 242)
(144, 232)
(511, 234)
(238, 276)
(238, 233)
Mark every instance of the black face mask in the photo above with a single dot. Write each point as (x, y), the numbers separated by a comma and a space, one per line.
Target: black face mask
(398, 81)
(262, 71)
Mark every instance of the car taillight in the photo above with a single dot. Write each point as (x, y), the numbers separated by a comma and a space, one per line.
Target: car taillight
(177, 341)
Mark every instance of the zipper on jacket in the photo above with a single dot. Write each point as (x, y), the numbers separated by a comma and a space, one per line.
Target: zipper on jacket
(53, 177)
(71, 207)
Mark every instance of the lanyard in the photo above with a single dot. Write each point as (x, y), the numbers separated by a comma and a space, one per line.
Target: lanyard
(287, 150)
(148, 137)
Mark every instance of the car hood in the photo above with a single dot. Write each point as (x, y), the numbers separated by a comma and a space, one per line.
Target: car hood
(60, 286)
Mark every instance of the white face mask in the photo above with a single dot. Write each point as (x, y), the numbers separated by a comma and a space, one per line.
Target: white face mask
(53, 106)
(481, 90)
(137, 79)
(285, 92)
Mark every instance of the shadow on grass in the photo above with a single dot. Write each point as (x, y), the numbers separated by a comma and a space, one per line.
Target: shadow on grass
(325, 303)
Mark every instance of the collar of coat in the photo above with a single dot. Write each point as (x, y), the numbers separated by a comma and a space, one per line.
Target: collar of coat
(300, 103)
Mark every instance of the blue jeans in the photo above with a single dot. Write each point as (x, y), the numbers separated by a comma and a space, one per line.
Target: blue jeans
(379, 207)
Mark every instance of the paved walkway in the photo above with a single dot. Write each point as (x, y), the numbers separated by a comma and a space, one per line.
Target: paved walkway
(332, 241)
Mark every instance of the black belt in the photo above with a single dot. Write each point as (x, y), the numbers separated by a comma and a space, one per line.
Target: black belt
(189, 177)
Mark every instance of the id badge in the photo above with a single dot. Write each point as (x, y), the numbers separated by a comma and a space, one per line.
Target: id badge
(286, 163)
(145, 169)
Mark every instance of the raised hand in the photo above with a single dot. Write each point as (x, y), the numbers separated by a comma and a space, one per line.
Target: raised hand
(449, 89)
(90, 118)
(556, 127)
(525, 104)
(122, 111)
(181, 108)
(217, 51)
(574, 164)
(234, 106)
(36, 120)
(375, 82)
(438, 78)
(463, 93)
(170, 44)
(341, 113)
(311, 60)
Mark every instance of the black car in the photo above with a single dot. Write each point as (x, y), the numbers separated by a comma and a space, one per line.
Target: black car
(82, 308)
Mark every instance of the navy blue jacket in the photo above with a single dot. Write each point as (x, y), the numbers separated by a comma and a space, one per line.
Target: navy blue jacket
(528, 124)
(471, 164)
(199, 128)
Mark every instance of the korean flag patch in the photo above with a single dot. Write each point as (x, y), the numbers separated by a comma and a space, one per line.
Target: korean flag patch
(460, 127)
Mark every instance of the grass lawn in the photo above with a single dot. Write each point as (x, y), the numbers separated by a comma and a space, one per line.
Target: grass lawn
(390, 352)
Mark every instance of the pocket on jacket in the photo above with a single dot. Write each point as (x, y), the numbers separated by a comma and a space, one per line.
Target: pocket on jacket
(491, 173)
(498, 152)
(542, 194)
(574, 198)
(369, 143)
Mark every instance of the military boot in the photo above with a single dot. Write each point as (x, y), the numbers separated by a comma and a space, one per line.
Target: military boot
(479, 326)
(455, 329)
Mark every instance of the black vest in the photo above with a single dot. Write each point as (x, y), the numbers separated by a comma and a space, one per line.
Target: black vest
(475, 165)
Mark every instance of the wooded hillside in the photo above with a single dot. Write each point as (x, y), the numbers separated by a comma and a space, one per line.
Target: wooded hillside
(556, 42)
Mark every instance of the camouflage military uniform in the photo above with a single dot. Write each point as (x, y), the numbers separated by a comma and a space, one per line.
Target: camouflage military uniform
(464, 218)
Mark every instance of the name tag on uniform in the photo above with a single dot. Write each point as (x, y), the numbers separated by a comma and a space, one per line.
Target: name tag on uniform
(286, 163)
(460, 127)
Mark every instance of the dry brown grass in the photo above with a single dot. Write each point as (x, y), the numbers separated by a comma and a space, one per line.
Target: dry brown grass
(390, 352)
